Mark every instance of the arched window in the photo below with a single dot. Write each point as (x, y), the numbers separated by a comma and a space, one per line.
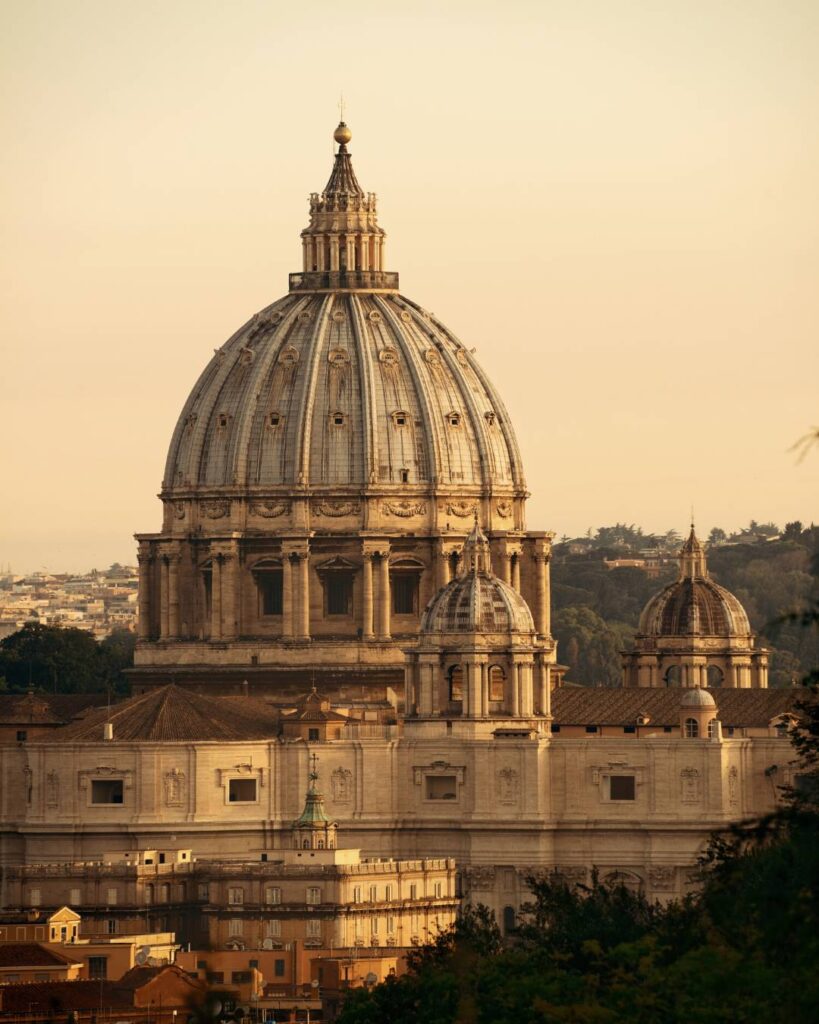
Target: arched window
(497, 681)
(672, 675)
(149, 893)
(692, 729)
(320, 844)
(714, 676)
(509, 922)
(306, 844)
(165, 893)
(456, 684)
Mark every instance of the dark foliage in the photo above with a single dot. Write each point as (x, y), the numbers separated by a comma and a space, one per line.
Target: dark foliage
(59, 660)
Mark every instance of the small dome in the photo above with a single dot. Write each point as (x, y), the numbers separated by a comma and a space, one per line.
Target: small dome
(694, 607)
(477, 603)
(697, 698)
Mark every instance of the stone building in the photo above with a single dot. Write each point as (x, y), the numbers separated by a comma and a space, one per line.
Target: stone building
(322, 477)
(694, 632)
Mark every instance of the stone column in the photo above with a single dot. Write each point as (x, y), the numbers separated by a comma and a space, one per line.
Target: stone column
(351, 252)
(515, 690)
(516, 572)
(303, 625)
(216, 598)
(367, 588)
(542, 623)
(229, 574)
(484, 688)
(334, 240)
(364, 250)
(163, 597)
(544, 689)
(384, 595)
(305, 246)
(506, 568)
(442, 567)
(319, 241)
(287, 597)
(173, 596)
(145, 562)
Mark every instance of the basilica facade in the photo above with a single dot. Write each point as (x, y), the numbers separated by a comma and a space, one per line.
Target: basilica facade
(344, 569)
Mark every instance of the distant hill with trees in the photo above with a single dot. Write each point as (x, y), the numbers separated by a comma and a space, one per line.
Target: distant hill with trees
(597, 603)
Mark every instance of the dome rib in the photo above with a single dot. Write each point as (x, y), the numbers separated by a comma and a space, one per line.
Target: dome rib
(315, 347)
(367, 371)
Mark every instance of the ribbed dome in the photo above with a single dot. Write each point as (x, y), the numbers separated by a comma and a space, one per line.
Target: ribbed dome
(696, 697)
(694, 607)
(343, 388)
(477, 603)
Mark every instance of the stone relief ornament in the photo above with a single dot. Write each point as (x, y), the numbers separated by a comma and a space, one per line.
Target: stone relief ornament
(462, 509)
(661, 878)
(174, 786)
(52, 789)
(388, 356)
(432, 357)
(289, 356)
(479, 877)
(404, 509)
(179, 510)
(338, 356)
(335, 509)
(374, 316)
(461, 356)
(269, 509)
(305, 316)
(733, 784)
(341, 784)
(338, 316)
(215, 509)
(506, 785)
(246, 356)
(504, 509)
(406, 316)
(690, 785)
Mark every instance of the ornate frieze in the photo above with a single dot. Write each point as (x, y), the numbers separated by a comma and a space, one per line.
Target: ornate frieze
(341, 785)
(217, 509)
(504, 509)
(462, 509)
(507, 785)
(174, 788)
(404, 509)
(335, 509)
(269, 509)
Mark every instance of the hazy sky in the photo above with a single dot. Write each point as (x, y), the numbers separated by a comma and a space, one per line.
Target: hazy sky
(615, 202)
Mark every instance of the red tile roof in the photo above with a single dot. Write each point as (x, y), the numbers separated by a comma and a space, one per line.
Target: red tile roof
(31, 954)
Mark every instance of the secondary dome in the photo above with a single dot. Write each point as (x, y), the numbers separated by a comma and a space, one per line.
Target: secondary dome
(697, 698)
(343, 382)
(476, 601)
(694, 605)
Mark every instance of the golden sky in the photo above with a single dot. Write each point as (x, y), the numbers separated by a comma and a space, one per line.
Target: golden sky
(614, 202)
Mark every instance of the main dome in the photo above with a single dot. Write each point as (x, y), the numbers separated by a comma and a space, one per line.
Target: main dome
(350, 389)
(343, 382)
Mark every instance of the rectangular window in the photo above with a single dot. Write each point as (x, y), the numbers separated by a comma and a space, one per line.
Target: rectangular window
(339, 590)
(404, 594)
(112, 897)
(236, 895)
(621, 787)
(274, 928)
(357, 894)
(314, 894)
(413, 891)
(242, 791)
(272, 894)
(278, 968)
(388, 893)
(22, 735)
(439, 890)
(373, 894)
(374, 925)
(312, 735)
(270, 592)
(441, 787)
(591, 728)
(98, 968)
(390, 925)
(216, 977)
(74, 897)
(106, 791)
(235, 927)
(204, 892)
(240, 978)
(629, 728)
(111, 926)
(34, 897)
(313, 928)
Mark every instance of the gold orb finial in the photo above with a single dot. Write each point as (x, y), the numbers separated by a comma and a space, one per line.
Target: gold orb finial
(342, 134)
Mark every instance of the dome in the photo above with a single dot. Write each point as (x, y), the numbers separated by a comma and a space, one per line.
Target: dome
(343, 389)
(693, 605)
(697, 698)
(477, 601)
(343, 382)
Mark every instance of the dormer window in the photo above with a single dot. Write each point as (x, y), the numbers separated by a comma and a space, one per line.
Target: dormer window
(489, 417)
(338, 419)
(404, 476)
(454, 419)
(223, 419)
(275, 419)
(400, 419)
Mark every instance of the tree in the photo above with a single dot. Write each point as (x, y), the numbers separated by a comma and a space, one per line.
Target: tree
(716, 537)
(64, 660)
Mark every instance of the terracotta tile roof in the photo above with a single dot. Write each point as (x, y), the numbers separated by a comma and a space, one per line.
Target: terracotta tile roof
(31, 954)
(45, 709)
(578, 705)
(53, 996)
(174, 713)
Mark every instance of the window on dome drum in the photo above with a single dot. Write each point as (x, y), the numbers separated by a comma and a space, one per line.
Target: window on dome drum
(691, 728)
(270, 587)
(456, 684)
(106, 791)
(714, 676)
(242, 791)
(338, 592)
(497, 682)
(622, 787)
(404, 594)
(441, 787)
